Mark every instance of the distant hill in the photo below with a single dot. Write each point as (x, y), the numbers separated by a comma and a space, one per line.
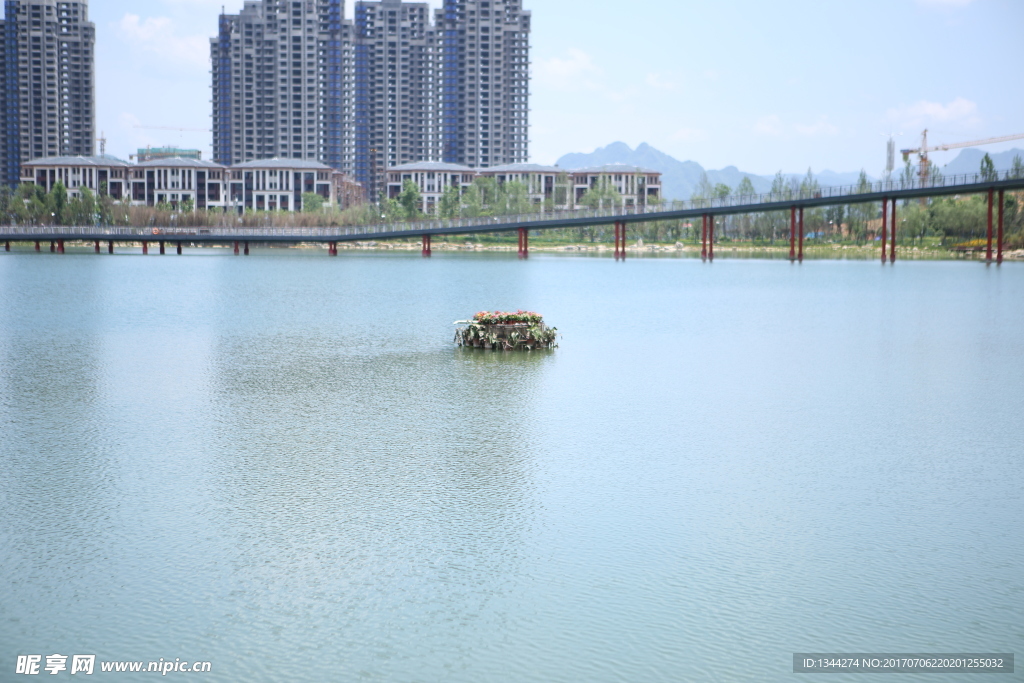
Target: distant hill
(680, 178)
(969, 160)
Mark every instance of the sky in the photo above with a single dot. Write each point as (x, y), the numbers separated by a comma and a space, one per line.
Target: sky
(786, 85)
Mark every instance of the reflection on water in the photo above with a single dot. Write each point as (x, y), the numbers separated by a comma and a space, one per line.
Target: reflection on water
(282, 465)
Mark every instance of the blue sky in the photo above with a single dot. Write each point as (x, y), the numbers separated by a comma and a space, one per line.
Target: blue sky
(764, 86)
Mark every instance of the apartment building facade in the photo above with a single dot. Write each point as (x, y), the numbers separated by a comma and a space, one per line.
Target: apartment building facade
(49, 85)
(280, 73)
(483, 66)
(266, 185)
(395, 102)
(294, 79)
(548, 187)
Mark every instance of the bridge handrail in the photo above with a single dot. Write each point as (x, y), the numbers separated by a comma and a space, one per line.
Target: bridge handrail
(462, 223)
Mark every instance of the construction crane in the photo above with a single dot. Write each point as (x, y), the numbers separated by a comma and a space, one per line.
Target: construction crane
(924, 149)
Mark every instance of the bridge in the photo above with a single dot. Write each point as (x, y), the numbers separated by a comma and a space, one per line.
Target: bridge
(888, 193)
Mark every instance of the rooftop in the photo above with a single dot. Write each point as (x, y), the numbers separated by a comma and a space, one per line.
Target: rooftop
(104, 160)
(616, 168)
(178, 162)
(431, 166)
(284, 163)
(523, 168)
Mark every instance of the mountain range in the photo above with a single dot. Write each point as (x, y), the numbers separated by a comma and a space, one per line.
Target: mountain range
(680, 178)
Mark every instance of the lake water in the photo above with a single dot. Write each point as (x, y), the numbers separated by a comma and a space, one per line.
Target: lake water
(282, 465)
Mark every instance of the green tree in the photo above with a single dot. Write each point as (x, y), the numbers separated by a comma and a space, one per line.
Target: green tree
(312, 202)
(1017, 169)
(57, 201)
(450, 205)
(988, 169)
(410, 199)
(517, 199)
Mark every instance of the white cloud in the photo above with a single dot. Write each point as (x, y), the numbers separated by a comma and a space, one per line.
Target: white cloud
(689, 135)
(659, 82)
(819, 127)
(573, 70)
(156, 35)
(768, 125)
(925, 113)
(774, 126)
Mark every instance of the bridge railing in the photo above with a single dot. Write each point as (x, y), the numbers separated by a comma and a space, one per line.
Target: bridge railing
(505, 222)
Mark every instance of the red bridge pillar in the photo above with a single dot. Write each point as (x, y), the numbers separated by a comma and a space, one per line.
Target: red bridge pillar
(332, 248)
(999, 234)
(236, 248)
(792, 233)
(60, 246)
(110, 246)
(704, 237)
(892, 237)
(988, 233)
(885, 225)
(428, 246)
(162, 252)
(711, 237)
(53, 246)
(97, 246)
(524, 243)
(246, 250)
(37, 245)
(800, 255)
(145, 248)
(7, 246)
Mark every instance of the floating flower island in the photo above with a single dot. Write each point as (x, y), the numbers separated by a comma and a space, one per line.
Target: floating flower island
(519, 331)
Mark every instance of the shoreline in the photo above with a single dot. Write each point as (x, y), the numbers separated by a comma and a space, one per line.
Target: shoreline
(637, 250)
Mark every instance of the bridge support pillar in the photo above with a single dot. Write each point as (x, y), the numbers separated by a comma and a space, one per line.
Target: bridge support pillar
(53, 246)
(162, 249)
(236, 248)
(892, 237)
(110, 246)
(704, 237)
(246, 249)
(427, 249)
(60, 246)
(792, 233)
(179, 248)
(7, 246)
(711, 237)
(332, 249)
(524, 243)
(800, 251)
(97, 246)
(885, 226)
(37, 245)
(999, 232)
(988, 232)
(145, 248)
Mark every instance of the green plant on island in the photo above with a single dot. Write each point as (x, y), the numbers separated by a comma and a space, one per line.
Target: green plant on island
(521, 330)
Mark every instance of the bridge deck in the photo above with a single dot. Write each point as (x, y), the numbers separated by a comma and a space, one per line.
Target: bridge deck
(826, 196)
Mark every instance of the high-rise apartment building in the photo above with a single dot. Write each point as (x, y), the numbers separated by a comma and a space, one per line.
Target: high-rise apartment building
(294, 79)
(280, 82)
(48, 82)
(483, 68)
(395, 103)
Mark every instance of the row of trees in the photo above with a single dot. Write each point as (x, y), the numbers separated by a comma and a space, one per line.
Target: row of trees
(951, 220)
(33, 205)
